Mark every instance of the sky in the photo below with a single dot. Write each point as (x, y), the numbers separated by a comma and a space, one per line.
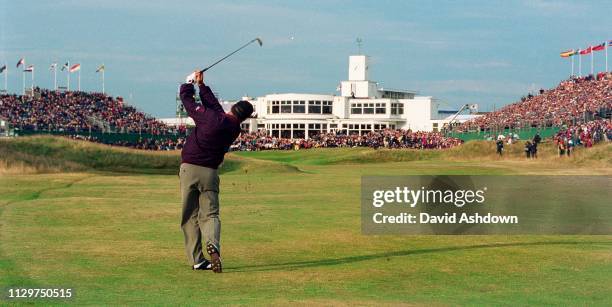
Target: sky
(485, 52)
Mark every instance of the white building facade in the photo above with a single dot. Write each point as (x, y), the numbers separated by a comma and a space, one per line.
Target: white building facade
(361, 107)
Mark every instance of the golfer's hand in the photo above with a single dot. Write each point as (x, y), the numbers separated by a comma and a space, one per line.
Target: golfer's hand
(199, 77)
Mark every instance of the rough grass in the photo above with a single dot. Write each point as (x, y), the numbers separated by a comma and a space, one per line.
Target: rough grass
(51, 154)
(54, 154)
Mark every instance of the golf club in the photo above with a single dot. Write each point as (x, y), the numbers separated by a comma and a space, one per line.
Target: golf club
(257, 39)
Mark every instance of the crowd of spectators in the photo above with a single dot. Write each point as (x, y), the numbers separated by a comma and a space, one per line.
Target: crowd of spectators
(375, 139)
(75, 112)
(585, 134)
(573, 99)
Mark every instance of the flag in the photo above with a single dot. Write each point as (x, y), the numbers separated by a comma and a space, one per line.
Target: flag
(101, 68)
(599, 47)
(30, 68)
(21, 62)
(2, 69)
(586, 51)
(65, 66)
(568, 53)
(75, 67)
(53, 66)
(610, 43)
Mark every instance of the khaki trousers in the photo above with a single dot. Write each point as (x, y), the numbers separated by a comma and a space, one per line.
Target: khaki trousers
(200, 218)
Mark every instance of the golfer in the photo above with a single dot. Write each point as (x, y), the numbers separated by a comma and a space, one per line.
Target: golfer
(211, 138)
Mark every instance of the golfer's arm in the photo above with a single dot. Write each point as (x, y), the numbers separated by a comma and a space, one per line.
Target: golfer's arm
(208, 99)
(186, 93)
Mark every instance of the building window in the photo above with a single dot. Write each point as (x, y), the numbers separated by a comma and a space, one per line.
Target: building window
(299, 134)
(314, 106)
(275, 107)
(299, 106)
(285, 106)
(368, 108)
(316, 129)
(397, 108)
(327, 107)
(299, 131)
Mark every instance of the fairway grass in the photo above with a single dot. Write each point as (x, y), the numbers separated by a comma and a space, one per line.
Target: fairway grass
(291, 233)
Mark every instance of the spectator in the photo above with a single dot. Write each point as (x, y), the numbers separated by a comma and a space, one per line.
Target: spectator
(528, 149)
(534, 149)
(561, 145)
(500, 146)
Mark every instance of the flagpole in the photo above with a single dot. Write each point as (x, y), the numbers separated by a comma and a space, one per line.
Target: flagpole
(579, 64)
(32, 81)
(592, 62)
(6, 78)
(572, 66)
(103, 89)
(607, 56)
(79, 79)
(55, 77)
(68, 71)
(23, 77)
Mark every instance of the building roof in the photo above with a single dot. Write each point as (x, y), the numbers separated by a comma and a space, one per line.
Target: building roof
(382, 89)
(462, 117)
(175, 121)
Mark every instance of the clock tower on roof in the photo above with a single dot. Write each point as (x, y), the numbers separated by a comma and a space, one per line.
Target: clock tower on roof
(358, 84)
(358, 68)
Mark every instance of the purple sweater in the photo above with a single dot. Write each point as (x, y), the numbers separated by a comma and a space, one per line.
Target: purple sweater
(214, 132)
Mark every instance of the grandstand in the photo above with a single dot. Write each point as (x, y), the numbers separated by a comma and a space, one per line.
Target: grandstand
(92, 116)
(573, 101)
(76, 112)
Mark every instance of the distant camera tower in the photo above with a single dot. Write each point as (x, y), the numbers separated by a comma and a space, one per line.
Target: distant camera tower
(359, 42)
